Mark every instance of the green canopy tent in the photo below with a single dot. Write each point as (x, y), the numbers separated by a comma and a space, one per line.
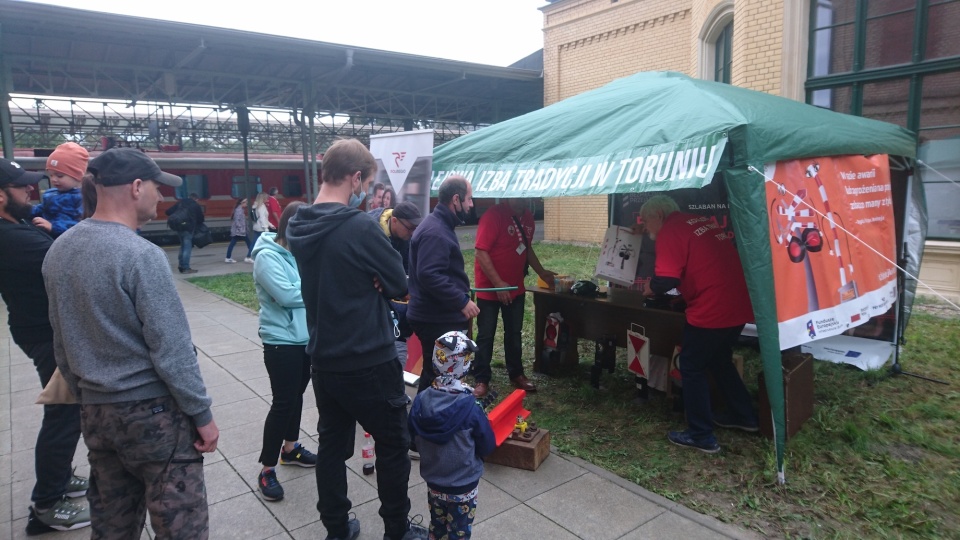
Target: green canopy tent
(661, 131)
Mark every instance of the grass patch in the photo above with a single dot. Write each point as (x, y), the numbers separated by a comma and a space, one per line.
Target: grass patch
(237, 287)
(879, 459)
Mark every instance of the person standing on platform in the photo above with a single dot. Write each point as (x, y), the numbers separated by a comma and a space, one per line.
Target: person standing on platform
(695, 256)
(238, 231)
(349, 272)
(194, 220)
(439, 288)
(261, 216)
(123, 345)
(273, 209)
(283, 329)
(23, 247)
(504, 251)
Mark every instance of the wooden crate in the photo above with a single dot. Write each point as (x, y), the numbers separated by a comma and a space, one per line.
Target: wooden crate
(520, 454)
(797, 394)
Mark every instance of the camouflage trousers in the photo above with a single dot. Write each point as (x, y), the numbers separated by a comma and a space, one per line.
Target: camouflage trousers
(142, 458)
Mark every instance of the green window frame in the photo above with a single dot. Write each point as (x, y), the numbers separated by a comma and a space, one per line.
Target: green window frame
(723, 54)
(896, 61)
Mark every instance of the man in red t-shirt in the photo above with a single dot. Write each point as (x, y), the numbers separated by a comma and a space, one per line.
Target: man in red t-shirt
(695, 256)
(273, 209)
(503, 252)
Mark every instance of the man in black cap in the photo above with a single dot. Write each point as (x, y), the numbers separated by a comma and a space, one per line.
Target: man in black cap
(398, 224)
(123, 345)
(22, 249)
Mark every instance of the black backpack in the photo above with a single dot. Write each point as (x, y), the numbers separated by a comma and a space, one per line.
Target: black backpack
(179, 220)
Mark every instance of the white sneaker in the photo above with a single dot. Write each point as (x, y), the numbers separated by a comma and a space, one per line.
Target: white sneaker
(229, 260)
(248, 259)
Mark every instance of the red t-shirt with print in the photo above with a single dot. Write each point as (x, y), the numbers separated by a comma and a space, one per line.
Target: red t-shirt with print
(497, 234)
(695, 250)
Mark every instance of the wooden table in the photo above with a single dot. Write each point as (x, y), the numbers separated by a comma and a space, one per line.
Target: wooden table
(594, 318)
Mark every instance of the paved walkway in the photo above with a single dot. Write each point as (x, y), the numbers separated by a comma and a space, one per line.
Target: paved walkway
(565, 498)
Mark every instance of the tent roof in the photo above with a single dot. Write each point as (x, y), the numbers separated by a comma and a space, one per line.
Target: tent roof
(658, 108)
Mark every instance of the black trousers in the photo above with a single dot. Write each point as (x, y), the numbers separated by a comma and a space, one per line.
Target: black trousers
(58, 437)
(289, 369)
(710, 351)
(375, 398)
(487, 330)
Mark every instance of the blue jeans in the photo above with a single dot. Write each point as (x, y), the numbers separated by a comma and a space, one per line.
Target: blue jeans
(374, 397)
(59, 433)
(186, 248)
(711, 350)
(233, 242)
(486, 331)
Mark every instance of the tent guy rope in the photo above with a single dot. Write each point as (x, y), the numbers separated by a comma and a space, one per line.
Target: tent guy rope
(868, 246)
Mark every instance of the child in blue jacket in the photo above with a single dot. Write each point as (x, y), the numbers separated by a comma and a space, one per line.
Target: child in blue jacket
(61, 206)
(453, 435)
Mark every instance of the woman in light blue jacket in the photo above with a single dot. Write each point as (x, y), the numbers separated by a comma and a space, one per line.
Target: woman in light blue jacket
(283, 329)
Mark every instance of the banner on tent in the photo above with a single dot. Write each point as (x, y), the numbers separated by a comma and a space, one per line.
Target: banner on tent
(684, 164)
(404, 162)
(825, 216)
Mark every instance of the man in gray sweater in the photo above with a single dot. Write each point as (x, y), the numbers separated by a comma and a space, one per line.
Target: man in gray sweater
(123, 345)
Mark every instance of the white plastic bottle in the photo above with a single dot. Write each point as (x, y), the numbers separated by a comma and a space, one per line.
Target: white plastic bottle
(368, 454)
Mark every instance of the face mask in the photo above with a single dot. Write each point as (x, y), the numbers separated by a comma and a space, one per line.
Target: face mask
(461, 215)
(356, 199)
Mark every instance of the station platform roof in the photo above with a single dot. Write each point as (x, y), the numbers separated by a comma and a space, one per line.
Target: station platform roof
(56, 51)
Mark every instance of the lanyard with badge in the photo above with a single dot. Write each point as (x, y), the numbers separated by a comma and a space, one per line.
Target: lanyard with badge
(523, 245)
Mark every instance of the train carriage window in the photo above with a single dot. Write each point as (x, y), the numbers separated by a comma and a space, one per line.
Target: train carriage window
(292, 186)
(193, 183)
(243, 188)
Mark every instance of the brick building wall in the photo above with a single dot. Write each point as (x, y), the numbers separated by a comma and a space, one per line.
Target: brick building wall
(757, 44)
(587, 44)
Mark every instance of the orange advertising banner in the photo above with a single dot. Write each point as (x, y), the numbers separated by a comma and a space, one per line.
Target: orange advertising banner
(832, 239)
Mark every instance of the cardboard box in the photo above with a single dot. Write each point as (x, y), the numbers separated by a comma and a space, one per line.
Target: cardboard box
(797, 391)
(619, 256)
(523, 454)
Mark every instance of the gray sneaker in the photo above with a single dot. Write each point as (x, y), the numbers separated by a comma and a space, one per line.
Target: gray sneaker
(77, 487)
(415, 531)
(353, 531)
(63, 516)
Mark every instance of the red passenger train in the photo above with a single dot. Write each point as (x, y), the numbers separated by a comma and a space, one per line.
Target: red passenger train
(218, 178)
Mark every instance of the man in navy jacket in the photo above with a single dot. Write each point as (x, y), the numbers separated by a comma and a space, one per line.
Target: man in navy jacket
(439, 288)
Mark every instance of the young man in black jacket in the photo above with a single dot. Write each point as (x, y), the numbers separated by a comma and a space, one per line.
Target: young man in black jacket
(349, 272)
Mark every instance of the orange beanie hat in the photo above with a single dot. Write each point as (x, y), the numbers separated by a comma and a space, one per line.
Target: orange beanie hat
(69, 159)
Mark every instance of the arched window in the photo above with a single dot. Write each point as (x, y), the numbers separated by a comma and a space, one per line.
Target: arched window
(716, 44)
(722, 62)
